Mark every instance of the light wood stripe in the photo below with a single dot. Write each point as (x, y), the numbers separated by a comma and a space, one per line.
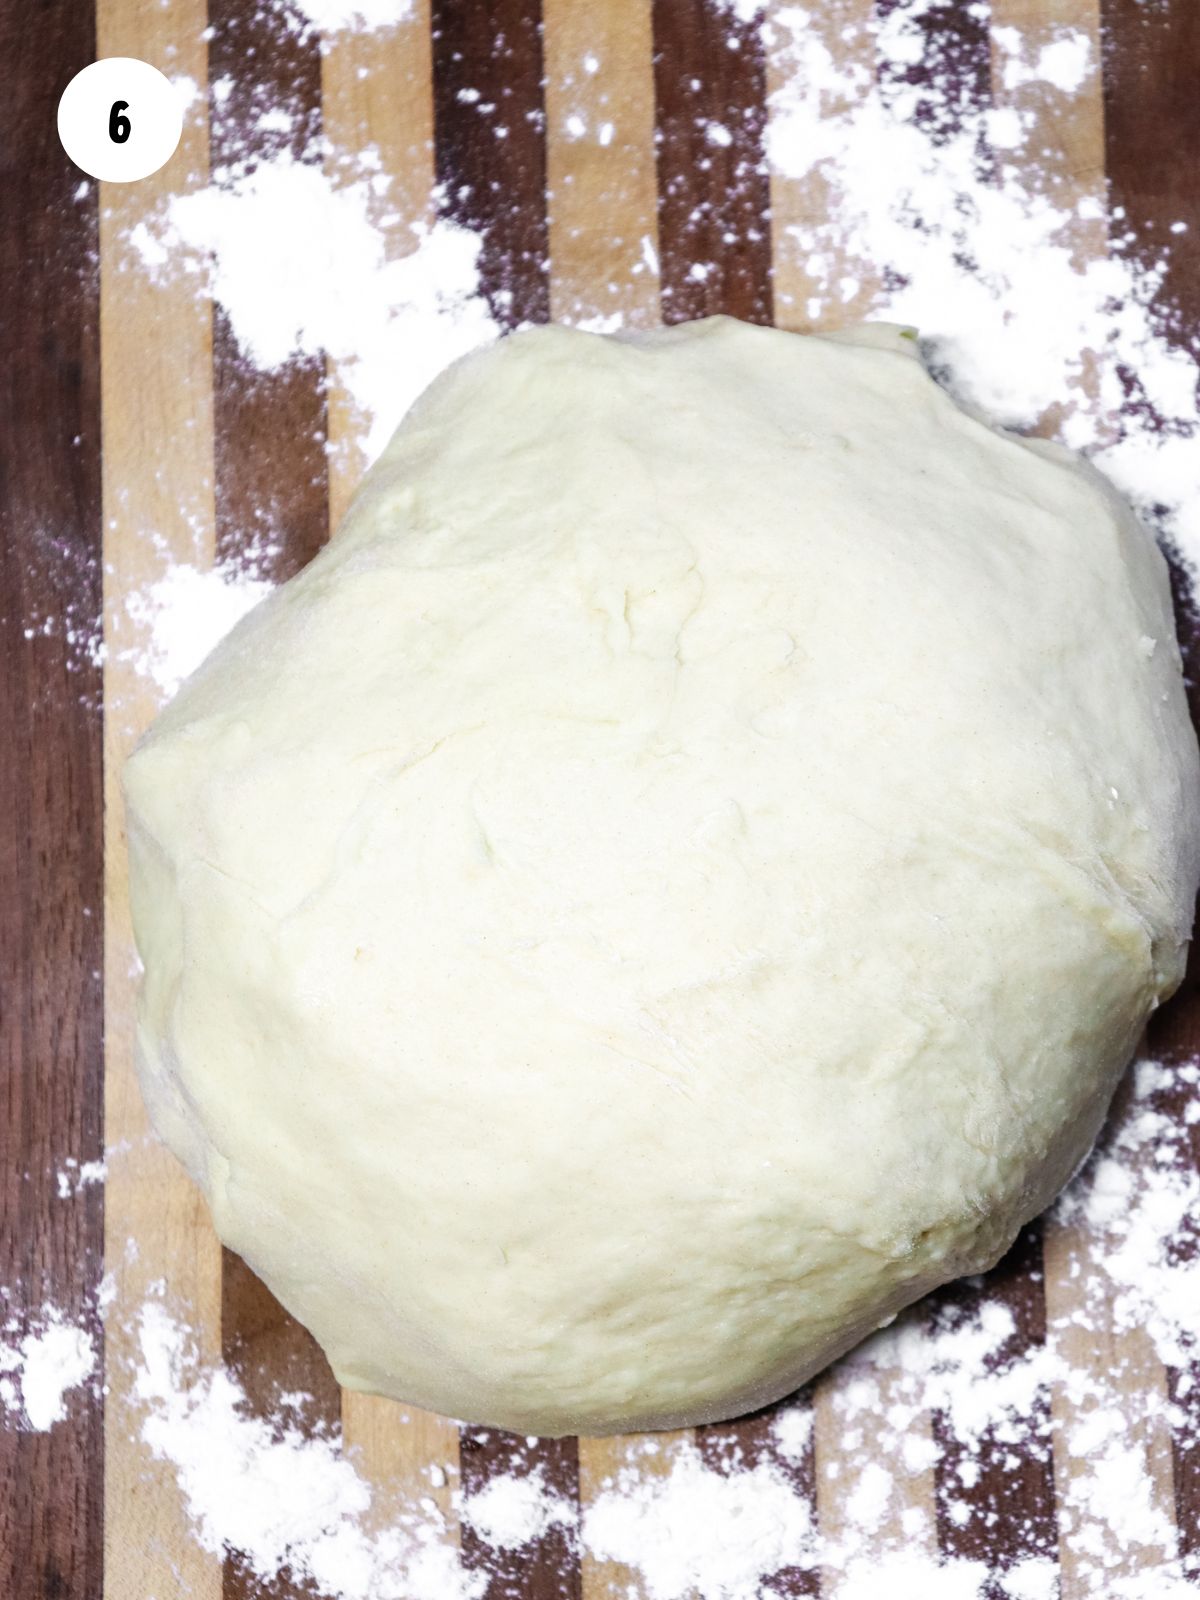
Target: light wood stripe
(376, 92)
(802, 207)
(1124, 1359)
(157, 396)
(843, 1454)
(51, 802)
(649, 1456)
(602, 200)
(1066, 131)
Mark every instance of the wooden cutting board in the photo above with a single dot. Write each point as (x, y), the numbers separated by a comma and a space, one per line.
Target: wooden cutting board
(126, 409)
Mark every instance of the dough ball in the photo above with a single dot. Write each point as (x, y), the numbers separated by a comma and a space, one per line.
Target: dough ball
(677, 878)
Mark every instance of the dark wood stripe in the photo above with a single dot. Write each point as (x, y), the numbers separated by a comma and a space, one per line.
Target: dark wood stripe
(271, 1355)
(490, 154)
(270, 468)
(750, 1442)
(714, 196)
(271, 491)
(51, 789)
(547, 1568)
(993, 1504)
(1151, 58)
(954, 71)
(490, 145)
(267, 427)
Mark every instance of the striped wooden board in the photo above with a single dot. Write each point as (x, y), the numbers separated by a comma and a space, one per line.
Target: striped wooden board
(126, 409)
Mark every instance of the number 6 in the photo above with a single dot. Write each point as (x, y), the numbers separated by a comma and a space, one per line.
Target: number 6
(118, 125)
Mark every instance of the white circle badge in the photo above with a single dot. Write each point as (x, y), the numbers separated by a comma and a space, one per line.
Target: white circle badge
(120, 119)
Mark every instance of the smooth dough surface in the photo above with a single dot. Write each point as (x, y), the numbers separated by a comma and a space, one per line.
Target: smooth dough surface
(677, 878)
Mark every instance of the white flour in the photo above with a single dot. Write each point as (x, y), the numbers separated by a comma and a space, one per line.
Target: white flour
(701, 1531)
(183, 614)
(75, 1175)
(280, 1497)
(1007, 277)
(511, 1511)
(307, 264)
(954, 225)
(40, 1367)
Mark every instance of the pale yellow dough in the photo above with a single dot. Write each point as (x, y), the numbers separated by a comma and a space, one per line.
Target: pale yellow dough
(679, 877)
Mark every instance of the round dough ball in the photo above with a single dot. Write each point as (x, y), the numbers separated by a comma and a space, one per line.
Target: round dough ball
(679, 877)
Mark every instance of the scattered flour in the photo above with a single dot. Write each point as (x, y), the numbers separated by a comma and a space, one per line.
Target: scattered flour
(336, 16)
(183, 614)
(75, 1175)
(904, 1575)
(39, 1368)
(793, 1432)
(281, 1498)
(303, 263)
(512, 1511)
(1024, 305)
(698, 1531)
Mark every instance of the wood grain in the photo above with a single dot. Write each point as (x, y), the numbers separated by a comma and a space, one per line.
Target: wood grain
(1175, 1036)
(51, 788)
(269, 428)
(1067, 133)
(490, 141)
(802, 207)
(907, 1520)
(713, 191)
(377, 92)
(994, 1504)
(1117, 1357)
(601, 196)
(714, 214)
(156, 366)
(1149, 75)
